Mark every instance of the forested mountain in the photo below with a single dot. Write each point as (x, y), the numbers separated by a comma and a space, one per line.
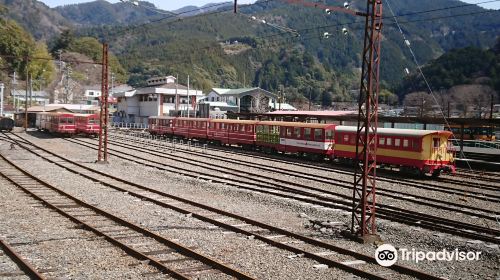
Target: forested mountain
(273, 44)
(469, 65)
(40, 20)
(102, 12)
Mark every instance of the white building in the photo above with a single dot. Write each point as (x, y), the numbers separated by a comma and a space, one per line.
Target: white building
(162, 97)
(243, 99)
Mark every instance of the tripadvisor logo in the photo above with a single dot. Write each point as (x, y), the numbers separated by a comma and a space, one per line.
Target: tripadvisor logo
(387, 255)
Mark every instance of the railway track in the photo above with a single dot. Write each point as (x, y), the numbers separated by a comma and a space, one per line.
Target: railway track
(117, 231)
(25, 267)
(382, 175)
(353, 262)
(333, 200)
(428, 201)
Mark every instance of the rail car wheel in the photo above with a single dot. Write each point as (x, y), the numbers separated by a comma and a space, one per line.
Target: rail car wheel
(436, 173)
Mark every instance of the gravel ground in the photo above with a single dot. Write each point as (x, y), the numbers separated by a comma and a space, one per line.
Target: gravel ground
(279, 212)
(381, 198)
(56, 247)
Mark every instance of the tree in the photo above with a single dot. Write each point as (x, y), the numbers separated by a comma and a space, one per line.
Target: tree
(42, 67)
(326, 99)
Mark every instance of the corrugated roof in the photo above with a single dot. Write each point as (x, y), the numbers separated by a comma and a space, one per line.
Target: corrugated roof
(225, 91)
(394, 131)
(313, 113)
(298, 124)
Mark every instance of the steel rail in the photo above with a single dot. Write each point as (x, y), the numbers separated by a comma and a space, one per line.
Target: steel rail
(388, 212)
(133, 252)
(323, 179)
(321, 259)
(386, 177)
(25, 266)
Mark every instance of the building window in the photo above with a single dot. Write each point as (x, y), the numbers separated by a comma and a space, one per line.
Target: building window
(91, 93)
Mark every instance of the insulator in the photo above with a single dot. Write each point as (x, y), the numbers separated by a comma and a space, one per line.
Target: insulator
(346, 5)
(344, 30)
(328, 11)
(407, 71)
(254, 18)
(407, 42)
(326, 35)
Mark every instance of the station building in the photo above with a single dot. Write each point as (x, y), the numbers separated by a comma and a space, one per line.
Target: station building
(162, 96)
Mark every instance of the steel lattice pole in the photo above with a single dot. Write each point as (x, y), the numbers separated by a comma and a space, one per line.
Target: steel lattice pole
(363, 206)
(102, 153)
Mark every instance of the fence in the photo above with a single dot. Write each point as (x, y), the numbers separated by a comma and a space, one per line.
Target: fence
(129, 125)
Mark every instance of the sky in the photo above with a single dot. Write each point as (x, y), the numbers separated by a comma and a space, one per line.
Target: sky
(173, 5)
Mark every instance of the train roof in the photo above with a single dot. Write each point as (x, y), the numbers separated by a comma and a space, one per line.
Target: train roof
(395, 131)
(299, 124)
(233, 121)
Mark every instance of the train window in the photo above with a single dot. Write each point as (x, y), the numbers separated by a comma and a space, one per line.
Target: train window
(250, 128)
(223, 126)
(381, 141)
(260, 128)
(71, 120)
(416, 145)
(318, 134)
(242, 128)
(436, 142)
(235, 127)
(289, 132)
(307, 133)
(297, 132)
(329, 134)
(397, 142)
(389, 142)
(274, 129)
(405, 143)
(346, 138)
(62, 120)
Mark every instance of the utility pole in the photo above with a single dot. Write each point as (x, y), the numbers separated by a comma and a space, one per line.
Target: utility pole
(176, 95)
(1, 99)
(102, 154)
(60, 60)
(112, 84)
(26, 96)
(188, 101)
(31, 89)
(14, 83)
(365, 176)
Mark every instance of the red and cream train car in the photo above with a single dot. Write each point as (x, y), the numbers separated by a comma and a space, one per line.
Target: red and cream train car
(421, 151)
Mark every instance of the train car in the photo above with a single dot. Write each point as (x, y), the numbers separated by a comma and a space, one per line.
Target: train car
(314, 140)
(417, 151)
(87, 124)
(58, 123)
(483, 132)
(161, 126)
(191, 128)
(232, 132)
(6, 124)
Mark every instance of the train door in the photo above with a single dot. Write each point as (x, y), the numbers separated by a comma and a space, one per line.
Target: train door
(436, 151)
(330, 141)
